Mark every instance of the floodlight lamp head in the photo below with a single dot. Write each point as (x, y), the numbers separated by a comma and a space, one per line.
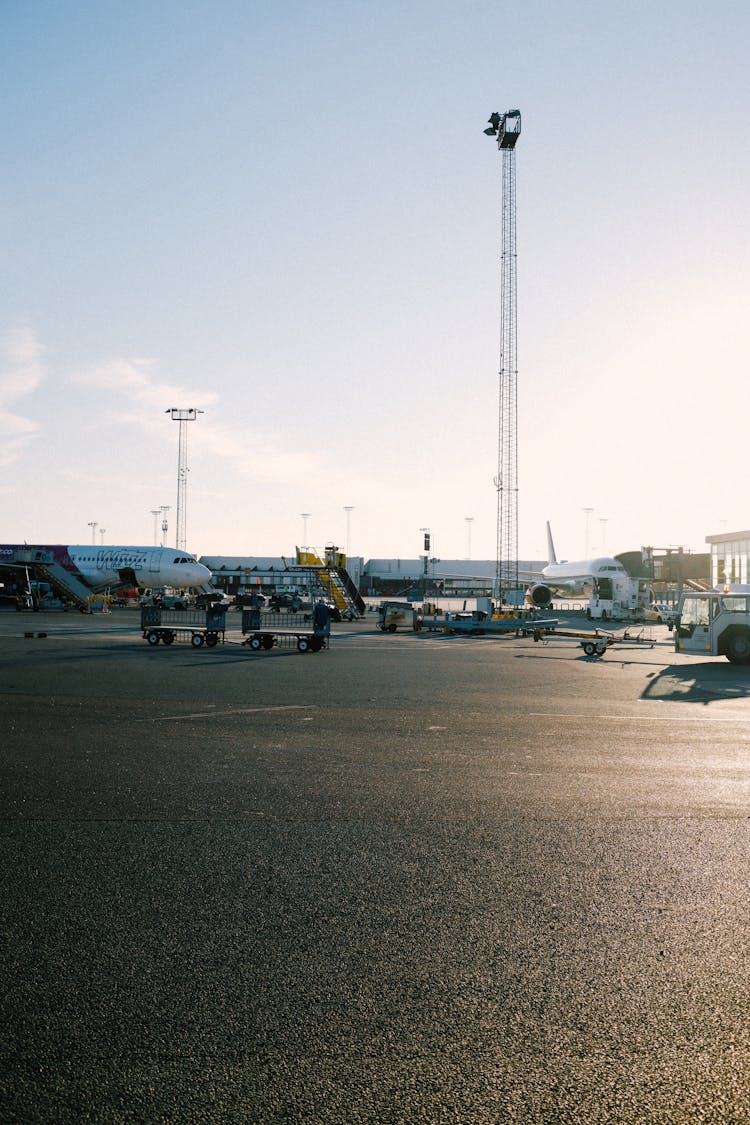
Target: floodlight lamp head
(494, 123)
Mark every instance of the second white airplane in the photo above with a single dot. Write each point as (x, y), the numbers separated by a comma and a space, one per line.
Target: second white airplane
(571, 578)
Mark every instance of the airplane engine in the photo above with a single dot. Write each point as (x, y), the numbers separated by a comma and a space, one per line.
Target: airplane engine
(539, 595)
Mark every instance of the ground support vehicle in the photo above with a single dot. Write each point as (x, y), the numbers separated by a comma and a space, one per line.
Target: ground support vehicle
(618, 599)
(593, 642)
(199, 626)
(714, 623)
(397, 615)
(262, 633)
(479, 624)
(597, 642)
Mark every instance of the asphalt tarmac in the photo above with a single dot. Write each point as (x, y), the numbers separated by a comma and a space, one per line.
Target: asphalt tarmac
(412, 878)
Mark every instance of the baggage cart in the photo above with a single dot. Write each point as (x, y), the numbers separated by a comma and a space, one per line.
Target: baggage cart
(263, 632)
(198, 626)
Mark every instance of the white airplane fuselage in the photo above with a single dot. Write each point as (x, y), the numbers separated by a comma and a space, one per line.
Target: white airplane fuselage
(104, 567)
(572, 578)
(577, 578)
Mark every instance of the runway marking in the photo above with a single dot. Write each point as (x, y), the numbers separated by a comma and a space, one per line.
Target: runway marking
(231, 711)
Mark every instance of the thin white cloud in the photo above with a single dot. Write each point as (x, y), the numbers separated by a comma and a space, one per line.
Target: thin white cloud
(147, 396)
(21, 372)
(255, 455)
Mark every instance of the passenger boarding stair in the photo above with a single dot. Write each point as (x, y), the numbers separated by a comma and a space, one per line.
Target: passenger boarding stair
(336, 580)
(64, 582)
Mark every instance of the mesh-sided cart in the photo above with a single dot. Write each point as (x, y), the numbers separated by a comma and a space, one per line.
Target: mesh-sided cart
(198, 626)
(264, 631)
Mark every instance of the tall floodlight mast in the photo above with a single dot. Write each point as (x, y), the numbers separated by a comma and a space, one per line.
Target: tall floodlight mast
(183, 417)
(506, 128)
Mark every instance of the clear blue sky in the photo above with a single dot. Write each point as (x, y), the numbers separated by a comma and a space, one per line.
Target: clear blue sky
(287, 215)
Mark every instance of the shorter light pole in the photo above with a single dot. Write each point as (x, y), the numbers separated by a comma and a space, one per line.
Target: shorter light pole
(93, 524)
(155, 514)
(164, 525)
(102, 530)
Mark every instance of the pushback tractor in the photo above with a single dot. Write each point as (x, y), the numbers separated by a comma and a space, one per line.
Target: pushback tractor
(715, 623)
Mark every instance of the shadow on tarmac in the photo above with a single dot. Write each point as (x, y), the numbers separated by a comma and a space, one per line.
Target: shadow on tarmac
(699, 683)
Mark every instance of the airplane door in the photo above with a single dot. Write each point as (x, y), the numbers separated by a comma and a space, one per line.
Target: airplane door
(154, 561)
(604, 588)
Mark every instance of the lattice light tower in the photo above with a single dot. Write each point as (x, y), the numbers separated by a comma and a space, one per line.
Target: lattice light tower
(506, 128)
(183, 416)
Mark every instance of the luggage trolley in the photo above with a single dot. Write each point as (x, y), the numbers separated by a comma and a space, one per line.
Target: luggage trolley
(262, 637)
(196, 625)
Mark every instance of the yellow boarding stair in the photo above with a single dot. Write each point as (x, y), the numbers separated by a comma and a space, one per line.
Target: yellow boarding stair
(333, 575)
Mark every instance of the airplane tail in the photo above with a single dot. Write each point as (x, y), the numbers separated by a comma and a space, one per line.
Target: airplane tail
(551, 556)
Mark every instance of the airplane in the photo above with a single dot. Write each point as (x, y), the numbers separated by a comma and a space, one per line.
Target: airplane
(571, 578)
(80, 570)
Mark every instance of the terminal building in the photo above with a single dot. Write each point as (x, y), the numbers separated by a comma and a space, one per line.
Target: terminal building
(666, 570)
(729, 555)
(374, 577)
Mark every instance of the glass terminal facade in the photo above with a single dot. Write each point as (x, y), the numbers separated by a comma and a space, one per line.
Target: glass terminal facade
(729, 555)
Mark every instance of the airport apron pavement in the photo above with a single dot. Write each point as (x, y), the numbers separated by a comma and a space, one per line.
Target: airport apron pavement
(411, 878)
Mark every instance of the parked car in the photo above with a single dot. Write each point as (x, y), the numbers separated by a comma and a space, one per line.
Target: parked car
(292, 602)
(166, 601)
(249, 601)
(213, 597)
(662, 613)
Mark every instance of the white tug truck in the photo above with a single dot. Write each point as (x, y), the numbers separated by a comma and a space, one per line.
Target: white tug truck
(715, 623)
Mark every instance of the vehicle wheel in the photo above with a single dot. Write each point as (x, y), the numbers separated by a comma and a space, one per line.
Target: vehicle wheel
(738, 647)
(303, 644)
(267, 643)
(197, 640)
(167, 638)
(256, 644)
(391, 628)
(152, 637)
(589, 648)
(316, 644)
(212, 639)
